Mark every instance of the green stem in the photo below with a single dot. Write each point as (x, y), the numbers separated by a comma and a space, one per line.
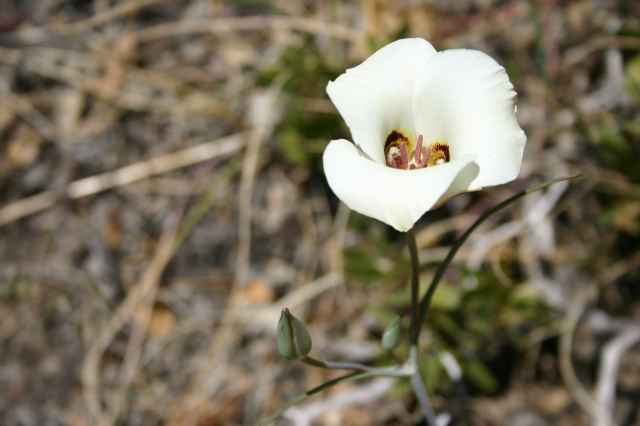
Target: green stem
(300, 398)
(419, 389)
(414, 330)
(426, 300)
(414, 327)
(418, 315)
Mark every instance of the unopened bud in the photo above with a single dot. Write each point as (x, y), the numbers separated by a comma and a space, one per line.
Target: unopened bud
(392, 336)
(294, 341)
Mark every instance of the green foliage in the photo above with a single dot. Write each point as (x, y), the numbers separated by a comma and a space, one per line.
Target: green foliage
(513, 70)
(259, 6)
(376, 257)
(621, 215)
(432, 372)
(632, 128)
(398, 297)
(447, 298)
(483, 296)
(376, 43)
(615, 151)
(14, 289)
(292, 146)
(487, 315)
(629, 28)
(476, 322)
(473, 322)
(401, 388)
(479, 375)
(305, 131)
(360, 266)
(632, 78)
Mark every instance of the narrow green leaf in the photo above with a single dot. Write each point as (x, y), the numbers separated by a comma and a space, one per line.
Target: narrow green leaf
(349, 377)
(426, 299)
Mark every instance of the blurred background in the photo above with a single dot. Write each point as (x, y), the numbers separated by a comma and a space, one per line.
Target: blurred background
(162, 199)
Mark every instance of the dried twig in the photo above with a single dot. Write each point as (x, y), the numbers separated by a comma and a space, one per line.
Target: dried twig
(121, 10)
(142, 316)
(605, 392)
(251, 23)
(568, 373)
(263, 319)
(124, 176)
(534, 217)
(28, 113)
(123, 99)
(262, 115)
(335, 254)
(41, 34)
(269, 316)
(143, 292)
(577, 54)
(245, 196)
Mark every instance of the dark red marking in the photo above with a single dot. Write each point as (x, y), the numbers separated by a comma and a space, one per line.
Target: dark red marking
(400, 161)
(394, 136)
(445, 149)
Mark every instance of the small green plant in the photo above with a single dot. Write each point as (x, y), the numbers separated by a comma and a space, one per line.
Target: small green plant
(427, 126)
(410, 367)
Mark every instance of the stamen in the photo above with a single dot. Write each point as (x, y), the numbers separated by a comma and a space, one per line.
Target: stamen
(403, 154)
(427, 153)
(418, 151)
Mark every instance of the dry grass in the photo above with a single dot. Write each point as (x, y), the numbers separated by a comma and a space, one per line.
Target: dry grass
(162, 198)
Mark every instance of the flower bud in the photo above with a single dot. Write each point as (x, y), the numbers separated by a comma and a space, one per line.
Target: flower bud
(392, 336)
(294, 341)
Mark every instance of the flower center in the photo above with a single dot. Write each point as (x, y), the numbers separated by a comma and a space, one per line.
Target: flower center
(399, 153)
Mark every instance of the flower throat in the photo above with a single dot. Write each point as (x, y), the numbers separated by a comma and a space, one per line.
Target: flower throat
(398, 153)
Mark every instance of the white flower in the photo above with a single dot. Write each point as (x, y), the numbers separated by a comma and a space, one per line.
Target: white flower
(427, 126)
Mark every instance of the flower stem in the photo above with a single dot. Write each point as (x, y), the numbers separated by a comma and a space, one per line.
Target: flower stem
(414, 327)
(414, 330)
(419, 389)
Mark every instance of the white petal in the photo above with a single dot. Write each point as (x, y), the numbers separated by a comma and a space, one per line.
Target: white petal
(396, 197)
(464, 98)
(374, 98)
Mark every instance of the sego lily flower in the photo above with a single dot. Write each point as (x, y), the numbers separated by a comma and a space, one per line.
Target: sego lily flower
(427, 126)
